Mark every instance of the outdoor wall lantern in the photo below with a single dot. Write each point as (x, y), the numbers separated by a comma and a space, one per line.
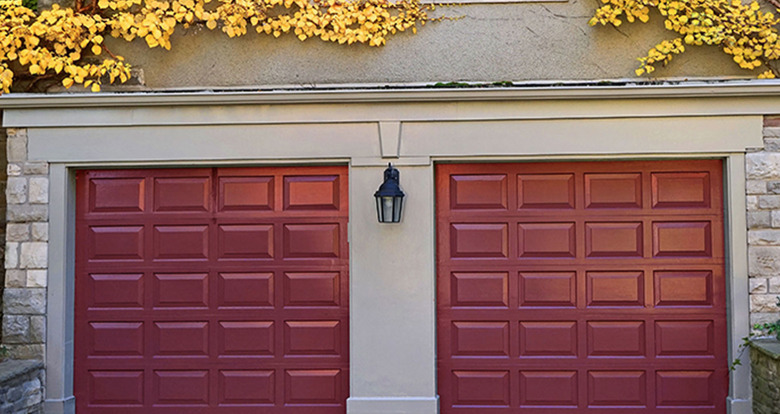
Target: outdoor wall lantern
(389, 197)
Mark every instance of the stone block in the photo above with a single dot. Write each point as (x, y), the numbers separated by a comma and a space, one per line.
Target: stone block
(13, 170)
(751, 202)
(759, 219)
(764, 237)
(756, 187)
(763, 260)
(36, 168)
(774, 284)
(763, 317)
(769, 201)
(24, 301)
(15, 278)
(763, 165)
(16, 329)
(773, 187)
(17, 147)
(764, 303)
(38, 329)
(758, 285)
(771, 142)
(34, 255)
(22, 213)
(40, 231)
(16, 190)
(17, 232)
(11, 255)
(37, 278)
(34, 351)
(39, 190)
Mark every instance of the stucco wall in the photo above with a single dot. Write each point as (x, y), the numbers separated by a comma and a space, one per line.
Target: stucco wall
(546, 41)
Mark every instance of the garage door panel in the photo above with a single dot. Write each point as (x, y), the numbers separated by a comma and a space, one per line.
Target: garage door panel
(245, 194)
(230, 304)
(479, 192)
(613, 301)
(117, 195)
(182, 195)
(545, 191)
(613, 190)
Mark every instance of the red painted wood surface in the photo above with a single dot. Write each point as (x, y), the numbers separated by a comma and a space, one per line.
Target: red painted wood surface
(581, 288)
(219, 290)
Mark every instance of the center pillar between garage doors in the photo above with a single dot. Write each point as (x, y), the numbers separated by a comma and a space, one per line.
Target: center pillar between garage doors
(393, 312)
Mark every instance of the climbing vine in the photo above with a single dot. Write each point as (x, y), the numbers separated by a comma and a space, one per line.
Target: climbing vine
(743, 31)
(67, 44)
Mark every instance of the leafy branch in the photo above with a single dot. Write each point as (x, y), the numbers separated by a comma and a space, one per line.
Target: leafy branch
(743, 31)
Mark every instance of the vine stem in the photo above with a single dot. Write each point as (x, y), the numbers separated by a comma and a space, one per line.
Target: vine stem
(775, 3)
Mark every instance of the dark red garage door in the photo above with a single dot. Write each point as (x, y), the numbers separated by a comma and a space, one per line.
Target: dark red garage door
(212, 291)
(581, 288)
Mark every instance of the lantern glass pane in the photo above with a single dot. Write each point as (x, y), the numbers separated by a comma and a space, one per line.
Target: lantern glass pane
(379, 209)
(387, 209)
(397, 208)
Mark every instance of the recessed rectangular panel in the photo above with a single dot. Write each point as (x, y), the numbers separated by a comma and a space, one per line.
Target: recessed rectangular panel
(252, 338)
(616, 288)
(480, 338)
(312, 338)
(683, 288)
(181, 338)
(480, 289)
(613, 190)
(617, 388)
(616, 338)
(684, 338)
(119, 388)
(471, 192)
(125, 339)
(678, 239)
(617, 239)
(246, 194)
(244, 388)
(181, 242)
(487, 240)
(548, 388)
(246, 289)
(185, 194)
(116, 290)
(115, 195)
(311, 289)
(189, 290)
(548, 289)
(314, 192)
(314, 386)
(480, 388)
(681, 190)
(546, 240)
(125, 243)
(685, 388)
(181, 387)
(246, 241)
(548, 338)
(545, 191)
(311, 240)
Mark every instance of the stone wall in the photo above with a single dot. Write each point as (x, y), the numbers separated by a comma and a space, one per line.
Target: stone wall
(21, 387)
(24, 297)
(765, 367)
(763, 220)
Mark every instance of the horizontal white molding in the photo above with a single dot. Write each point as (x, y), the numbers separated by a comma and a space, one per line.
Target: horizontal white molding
(398, 104)
(393, 405)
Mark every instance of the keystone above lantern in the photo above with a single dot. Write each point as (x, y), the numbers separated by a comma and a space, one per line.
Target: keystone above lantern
(389, 197)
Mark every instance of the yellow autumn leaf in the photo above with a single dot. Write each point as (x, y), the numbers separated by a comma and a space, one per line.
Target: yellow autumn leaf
(67, 82)
(96, 49)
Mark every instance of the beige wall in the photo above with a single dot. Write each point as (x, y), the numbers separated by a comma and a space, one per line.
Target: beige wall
(544, 41)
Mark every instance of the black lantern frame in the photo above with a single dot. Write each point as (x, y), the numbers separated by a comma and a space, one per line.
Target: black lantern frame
(390, 197)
